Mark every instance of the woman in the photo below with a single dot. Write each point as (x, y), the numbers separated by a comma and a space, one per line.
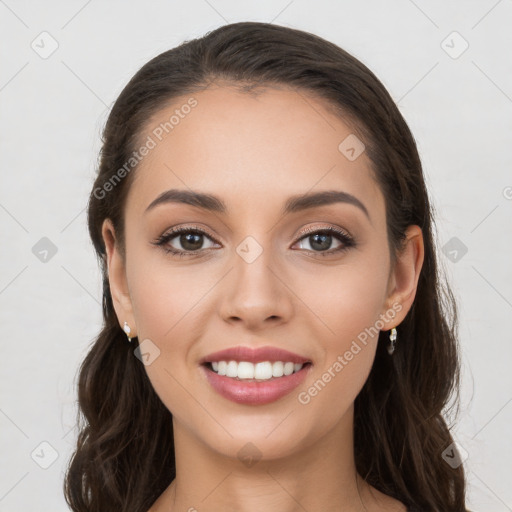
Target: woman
(276, 336)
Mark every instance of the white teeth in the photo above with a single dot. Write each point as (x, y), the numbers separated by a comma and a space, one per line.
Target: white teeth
(232, 369)
(222, 367)
(245, 370)
(288, 368)
(277, 369)
(264, 370)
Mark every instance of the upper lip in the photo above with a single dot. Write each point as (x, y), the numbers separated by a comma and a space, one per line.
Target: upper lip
(255, 355)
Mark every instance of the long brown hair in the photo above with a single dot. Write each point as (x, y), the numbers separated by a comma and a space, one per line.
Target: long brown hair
(124, 458)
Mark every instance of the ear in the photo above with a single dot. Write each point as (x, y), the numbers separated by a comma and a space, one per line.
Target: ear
(117, 278)
(403, 279)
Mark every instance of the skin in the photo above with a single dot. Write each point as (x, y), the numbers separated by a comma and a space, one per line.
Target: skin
(254, 151)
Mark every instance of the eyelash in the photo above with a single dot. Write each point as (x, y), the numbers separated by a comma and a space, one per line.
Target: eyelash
(343, 237)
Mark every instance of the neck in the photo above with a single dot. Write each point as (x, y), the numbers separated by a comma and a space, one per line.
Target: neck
(321, 476)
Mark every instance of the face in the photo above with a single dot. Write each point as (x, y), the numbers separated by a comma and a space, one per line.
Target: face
(313, 279)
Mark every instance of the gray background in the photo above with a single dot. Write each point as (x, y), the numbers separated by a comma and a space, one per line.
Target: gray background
(457, 103)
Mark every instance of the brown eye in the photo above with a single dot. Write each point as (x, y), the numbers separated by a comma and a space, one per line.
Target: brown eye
(321, 241)
(191, 241)
(185, 241)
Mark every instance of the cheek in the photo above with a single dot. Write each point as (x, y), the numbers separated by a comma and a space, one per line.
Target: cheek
(169, 304)
(167, 298)
(347, 302)
(345, 299)
(347, 340)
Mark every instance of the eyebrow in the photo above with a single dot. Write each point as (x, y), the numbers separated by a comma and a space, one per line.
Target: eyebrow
(293, 204)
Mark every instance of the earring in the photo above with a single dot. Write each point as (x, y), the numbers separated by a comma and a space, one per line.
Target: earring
(127, 330)
(392, 341)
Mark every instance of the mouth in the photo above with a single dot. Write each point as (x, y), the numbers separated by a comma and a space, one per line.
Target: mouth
(248, 371)
(254, 376)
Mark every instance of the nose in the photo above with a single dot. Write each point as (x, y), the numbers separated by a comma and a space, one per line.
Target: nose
(256, 294)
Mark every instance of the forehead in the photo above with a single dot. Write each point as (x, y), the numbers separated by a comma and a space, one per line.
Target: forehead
(250, 149)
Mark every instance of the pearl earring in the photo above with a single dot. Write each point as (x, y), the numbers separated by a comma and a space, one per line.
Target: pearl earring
(127, 330)
(392, 341)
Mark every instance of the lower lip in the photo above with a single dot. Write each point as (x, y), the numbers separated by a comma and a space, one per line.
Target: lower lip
(255, 393)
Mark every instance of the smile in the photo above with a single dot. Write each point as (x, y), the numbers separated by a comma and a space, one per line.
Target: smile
(262, 371)
(255, 390)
